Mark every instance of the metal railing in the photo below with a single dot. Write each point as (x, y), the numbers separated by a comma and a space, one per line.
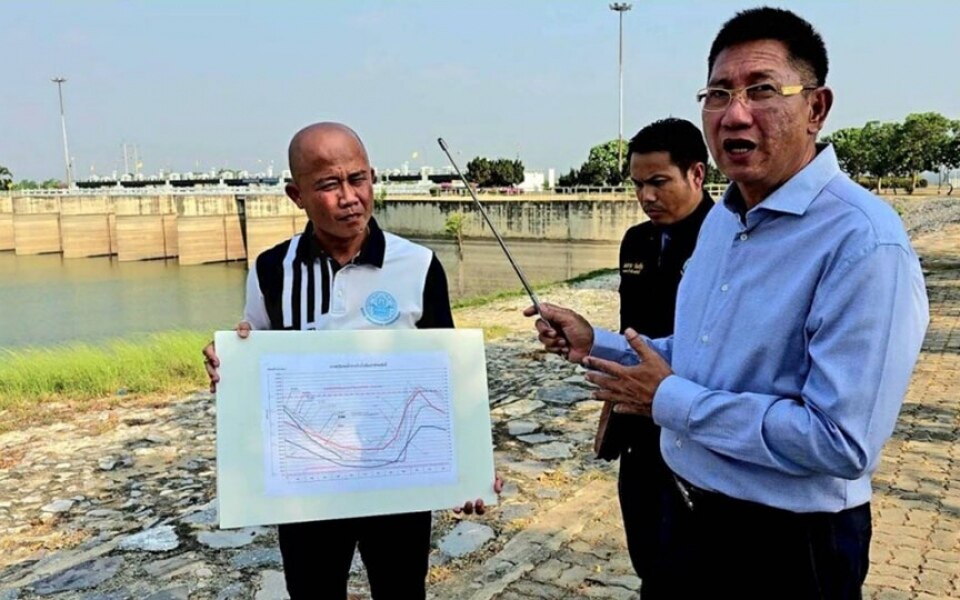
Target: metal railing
(146, 191)
(381, 192)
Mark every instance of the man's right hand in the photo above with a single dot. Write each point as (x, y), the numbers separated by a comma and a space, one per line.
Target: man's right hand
(562, 331)
(210, 360)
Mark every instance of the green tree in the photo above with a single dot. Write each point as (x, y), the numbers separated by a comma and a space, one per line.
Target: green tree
(882, 157)
(51, 184)
(601, 168)
(25, 184)
(570, 179)
(852, 151)
(6, 178)
(501, 172)
(715, 175)
(380, 197)
(951, 152)
(453, 227)
(921, 143)
(949, 155)
(506, 172)
(478, 171)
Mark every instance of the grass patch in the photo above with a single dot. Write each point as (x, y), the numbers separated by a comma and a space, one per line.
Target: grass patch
(590, 275)
(481, 300)
(494, 332)
(168, 361)
(516, 293)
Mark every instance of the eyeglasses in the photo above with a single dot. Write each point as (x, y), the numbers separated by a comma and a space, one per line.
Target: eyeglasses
(758, 95)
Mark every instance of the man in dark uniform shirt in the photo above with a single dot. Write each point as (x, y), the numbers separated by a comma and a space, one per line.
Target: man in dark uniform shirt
(668, 163)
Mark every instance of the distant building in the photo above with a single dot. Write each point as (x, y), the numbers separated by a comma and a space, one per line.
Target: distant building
(533, 181)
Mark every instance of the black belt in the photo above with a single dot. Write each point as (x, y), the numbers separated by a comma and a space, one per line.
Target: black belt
(693, 495)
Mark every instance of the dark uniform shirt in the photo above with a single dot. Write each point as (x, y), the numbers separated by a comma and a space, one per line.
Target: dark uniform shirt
(651, 264)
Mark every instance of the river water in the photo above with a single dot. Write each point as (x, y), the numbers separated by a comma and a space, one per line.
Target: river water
(47, 300)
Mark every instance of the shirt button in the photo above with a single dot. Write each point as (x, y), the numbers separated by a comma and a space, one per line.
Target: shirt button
(724, 287)
(705, 339)
(679, 443)
(743, 237)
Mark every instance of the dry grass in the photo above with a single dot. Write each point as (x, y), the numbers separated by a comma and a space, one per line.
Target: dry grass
(439, 573)
(41, 535)
(22, 416)
(555, 479)
(11, 457)
(107, 422)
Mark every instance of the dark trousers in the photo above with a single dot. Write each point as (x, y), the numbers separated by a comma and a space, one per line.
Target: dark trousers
(394, 548)
(643, 476)
(729, 548)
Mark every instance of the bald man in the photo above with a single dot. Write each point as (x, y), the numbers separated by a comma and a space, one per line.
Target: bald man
(344, 272)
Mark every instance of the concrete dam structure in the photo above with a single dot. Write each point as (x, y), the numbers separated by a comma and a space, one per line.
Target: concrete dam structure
(201, 227)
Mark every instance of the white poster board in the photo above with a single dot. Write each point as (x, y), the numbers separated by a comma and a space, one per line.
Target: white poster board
(316, 425)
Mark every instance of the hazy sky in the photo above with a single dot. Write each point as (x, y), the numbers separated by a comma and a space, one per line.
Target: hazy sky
(227, 83)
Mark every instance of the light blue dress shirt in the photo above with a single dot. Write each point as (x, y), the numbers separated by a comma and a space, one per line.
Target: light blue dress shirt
(796, 334)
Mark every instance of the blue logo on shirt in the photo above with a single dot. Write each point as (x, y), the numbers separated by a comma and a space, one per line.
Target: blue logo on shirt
(380, 308)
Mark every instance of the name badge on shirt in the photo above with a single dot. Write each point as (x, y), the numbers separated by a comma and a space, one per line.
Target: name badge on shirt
(380, 308)
(632, 268)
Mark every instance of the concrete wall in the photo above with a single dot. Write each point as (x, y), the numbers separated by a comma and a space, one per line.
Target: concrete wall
(145, 227)
(208, 229)
(270, 205)
(201, 240)
(145, 237)
(202, 228)
(86, 226)
(36, 234)
(271, 219)
(6, 223)
(161, 204)
(36, 225)
(87, 205)
(576, 220)
(300, 222)
(265, 232)
(85, 235)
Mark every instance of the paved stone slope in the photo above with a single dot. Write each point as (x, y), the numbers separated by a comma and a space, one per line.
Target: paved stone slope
(118, 503)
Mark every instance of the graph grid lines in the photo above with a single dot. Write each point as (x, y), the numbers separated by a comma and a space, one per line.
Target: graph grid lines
(354, 425)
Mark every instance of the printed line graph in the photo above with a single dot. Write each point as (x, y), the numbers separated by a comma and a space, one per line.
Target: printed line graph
(366, 419)
(377, 452)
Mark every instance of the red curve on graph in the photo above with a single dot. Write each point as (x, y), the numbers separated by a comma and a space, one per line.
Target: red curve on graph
(396, 434)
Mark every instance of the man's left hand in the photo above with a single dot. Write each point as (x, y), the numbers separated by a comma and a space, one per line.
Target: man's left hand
(631, 389)
(478, 506)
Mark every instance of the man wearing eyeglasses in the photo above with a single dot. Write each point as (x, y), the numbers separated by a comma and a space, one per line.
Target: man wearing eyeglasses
(800, 317)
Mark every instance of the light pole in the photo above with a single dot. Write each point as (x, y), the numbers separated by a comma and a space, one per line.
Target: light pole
(63, 125)
(620, 8)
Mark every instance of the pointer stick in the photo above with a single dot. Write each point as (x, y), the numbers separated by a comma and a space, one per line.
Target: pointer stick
(513, 263)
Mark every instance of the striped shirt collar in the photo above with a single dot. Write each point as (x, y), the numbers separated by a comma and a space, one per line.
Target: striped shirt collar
(371, 252)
